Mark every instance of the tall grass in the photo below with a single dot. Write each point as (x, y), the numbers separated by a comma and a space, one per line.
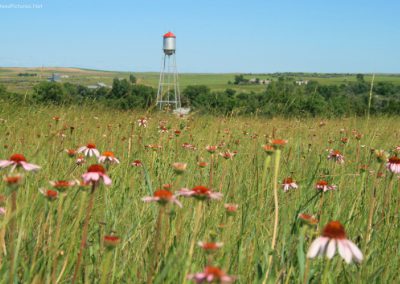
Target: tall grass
(367, 203)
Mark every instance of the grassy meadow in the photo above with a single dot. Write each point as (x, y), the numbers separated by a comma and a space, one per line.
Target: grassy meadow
(40, 238)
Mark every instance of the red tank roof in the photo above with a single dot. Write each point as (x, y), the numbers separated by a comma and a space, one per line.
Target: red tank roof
(169, 34)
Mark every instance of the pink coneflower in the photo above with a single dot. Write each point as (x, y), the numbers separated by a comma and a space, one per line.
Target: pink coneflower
(211, 274)
(397, 149)
(202, 164)
(62, 185)
(200, 192)
(177, 133)
(336, 156)
(278, 143)
(393, 165)
(95, 173)
(16, 161)
(289, 183)
(13, 181)
(188, 146)
(70, 152)
(162, 129)
(80, 160)
(307, 218)
(49, 193)
(231, 209)
(268, 149)
(334, 235)
(227, 155)
(137, 163)
(211, 149)
(162, 196)
(89, 150)
(210, 246)
(324, 186)
(111, 241)
(108, 157)
(2, 211)
(179, 168)
(142, 122)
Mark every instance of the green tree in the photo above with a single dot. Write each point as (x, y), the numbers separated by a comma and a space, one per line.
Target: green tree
(132, 79)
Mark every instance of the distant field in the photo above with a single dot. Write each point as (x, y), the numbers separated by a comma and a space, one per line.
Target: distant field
(9, 77)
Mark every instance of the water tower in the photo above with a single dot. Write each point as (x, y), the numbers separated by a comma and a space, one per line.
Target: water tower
(168, 95)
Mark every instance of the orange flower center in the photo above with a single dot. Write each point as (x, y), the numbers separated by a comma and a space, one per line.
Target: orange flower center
(288, 180)
(335, 153)
(279, 142)
(17, 158)
(334, 230)
(111, 239)
(108, 154)
(394, 160)
(12, 179)
(51, 193)
(201, 190)
(214, 271)
(91, 146)
(210, 246)
(96, 169)
(163, 194)
(322, 183)
(62, 184)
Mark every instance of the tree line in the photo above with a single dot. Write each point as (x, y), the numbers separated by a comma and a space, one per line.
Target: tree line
(282, 97)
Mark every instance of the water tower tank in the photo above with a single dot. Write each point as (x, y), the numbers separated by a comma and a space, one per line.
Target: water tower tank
(169, 43)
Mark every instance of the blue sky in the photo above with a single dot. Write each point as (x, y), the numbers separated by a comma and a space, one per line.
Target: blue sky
(212, 35)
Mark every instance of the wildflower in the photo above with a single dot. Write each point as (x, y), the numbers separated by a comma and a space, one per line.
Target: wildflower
(200, 192)
(278, 143)
(344, 140)
(393, 165)
(142, 122)
(336, 156)
(268, 149)
(289, 183)
(211, 274)
(211, 149)
(188, 146)
(162, 196)
(95, 173)
(334, 235)
(80, 160)
(111, 241)
(231, 209)
(324, 186)
(56, 118)
(2, 211)
(177, 133)
(307, 218)
(202, 164)
(49, 193)
(162, 129)
(137, 163)
(16, 161)
(167, 186)
(13, 181)
(108, 157)
(70, 152)
(89, 150)
(212, 246)
(227, 155)
(179, 168)
(62, 185)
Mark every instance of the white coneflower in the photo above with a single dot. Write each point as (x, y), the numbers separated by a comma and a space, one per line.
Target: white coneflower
(289, 183)
(334, 235)
(89, 150)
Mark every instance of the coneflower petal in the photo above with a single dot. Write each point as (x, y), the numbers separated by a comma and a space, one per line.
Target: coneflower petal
(344, 251)
(316, 246)
(331, 249)
(5, 163)
(357, 254)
